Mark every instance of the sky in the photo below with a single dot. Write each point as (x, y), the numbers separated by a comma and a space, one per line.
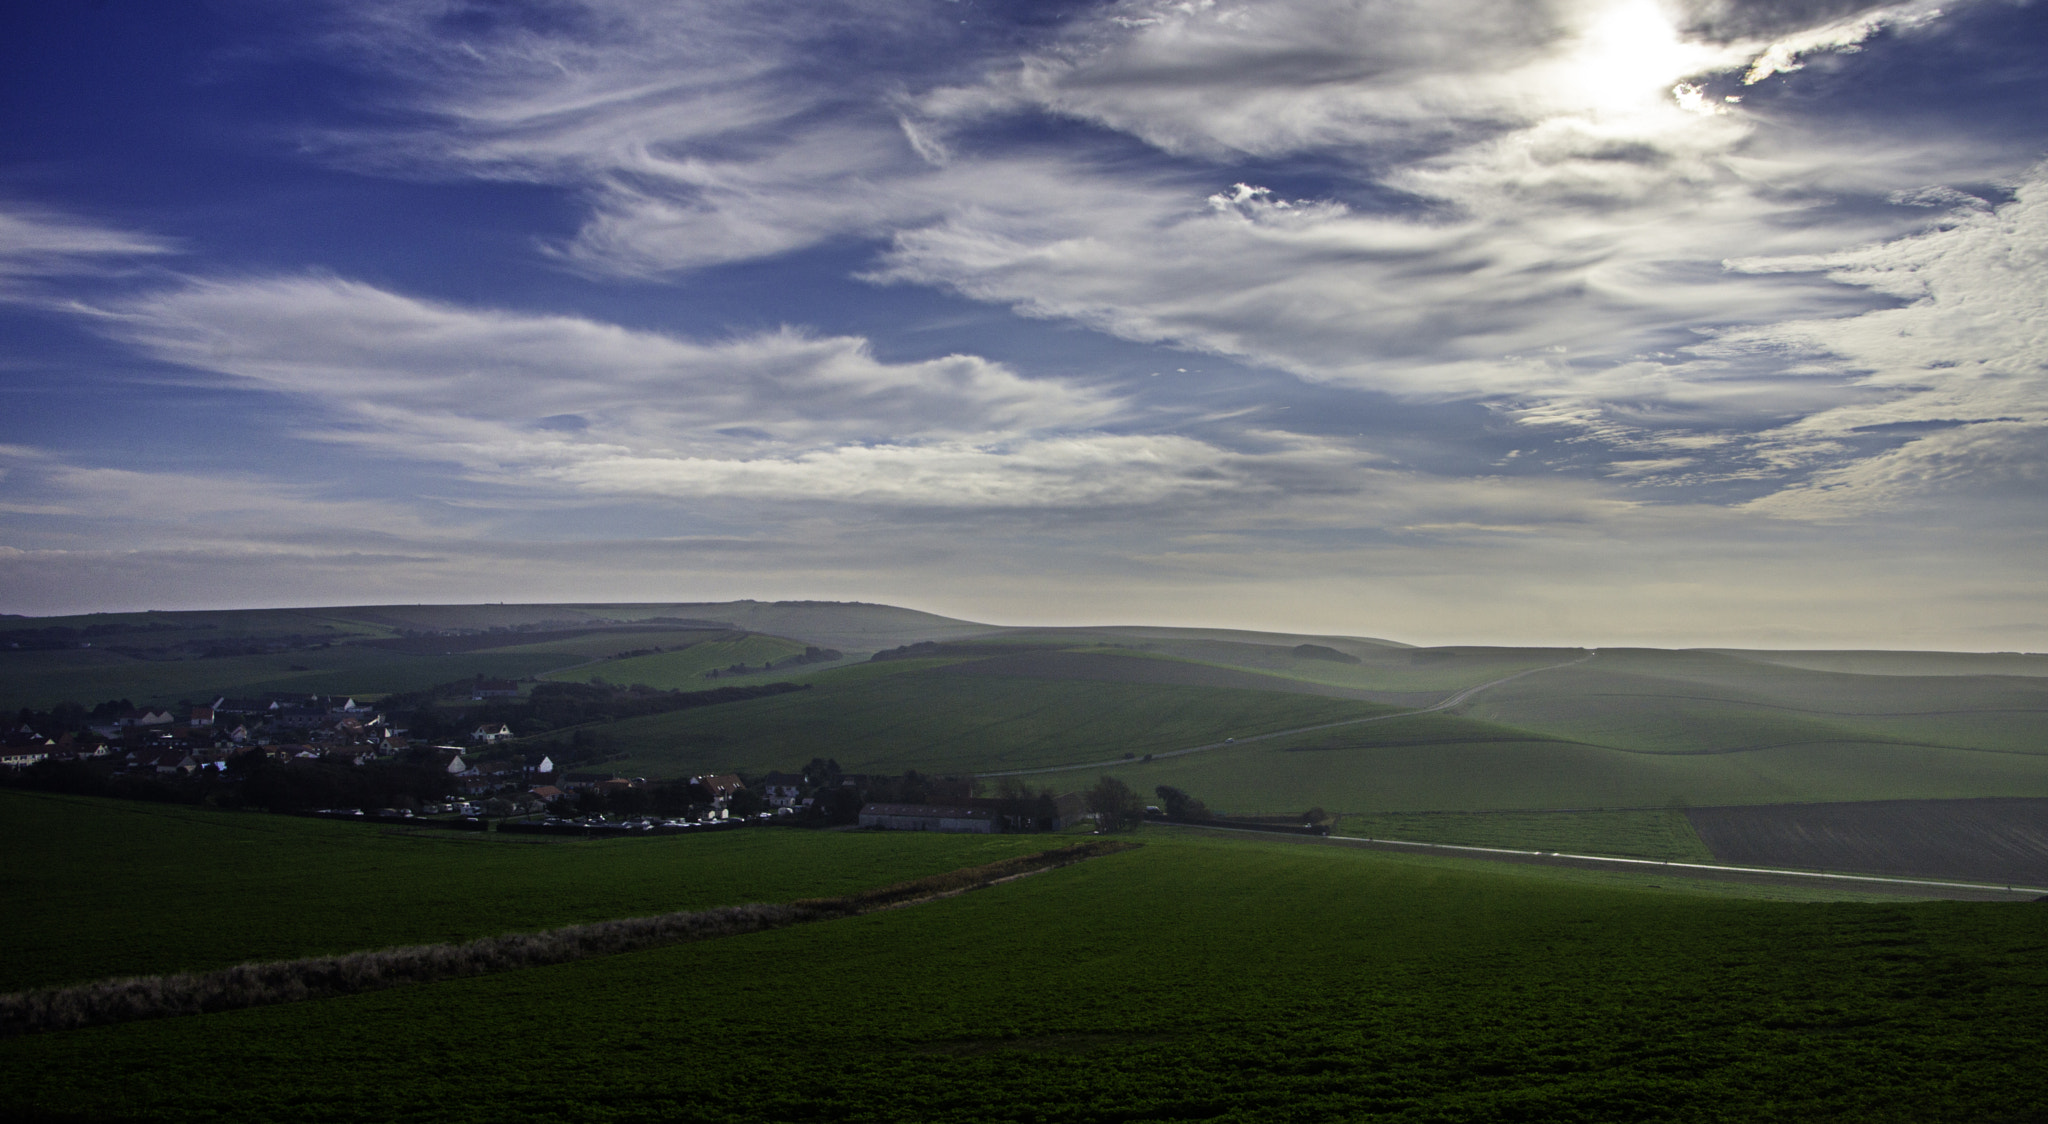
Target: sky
(1587, 322)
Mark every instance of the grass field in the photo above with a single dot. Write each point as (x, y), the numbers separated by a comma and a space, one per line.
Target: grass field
(1500, 774)
(101, 887)
(1907, 663)
(915, 714)
(1393, 671)
(1661, 834)
(685, 668)
(1193, 979)
(41, 679)
(1704, 702)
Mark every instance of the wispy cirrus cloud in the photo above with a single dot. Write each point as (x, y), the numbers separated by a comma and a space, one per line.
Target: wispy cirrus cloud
(593, 407)
(698, 133)
(39, 243)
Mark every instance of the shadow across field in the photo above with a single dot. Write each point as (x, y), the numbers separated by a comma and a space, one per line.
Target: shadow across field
(2001, 840)
(1109, 667)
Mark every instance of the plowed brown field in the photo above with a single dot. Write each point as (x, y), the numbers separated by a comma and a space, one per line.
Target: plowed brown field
(1998, 840)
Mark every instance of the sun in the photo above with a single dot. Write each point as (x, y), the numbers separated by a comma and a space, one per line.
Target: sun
(1630, 59)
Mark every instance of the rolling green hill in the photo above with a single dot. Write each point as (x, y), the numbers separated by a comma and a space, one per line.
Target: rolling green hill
(1541, 730)
(684, 668)
(159, 658)
(1699, 702)
(932, 716)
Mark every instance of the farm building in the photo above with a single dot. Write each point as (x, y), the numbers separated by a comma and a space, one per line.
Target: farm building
(928, 817)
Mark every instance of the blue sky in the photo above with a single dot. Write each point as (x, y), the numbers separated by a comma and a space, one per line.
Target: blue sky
(1584, 321)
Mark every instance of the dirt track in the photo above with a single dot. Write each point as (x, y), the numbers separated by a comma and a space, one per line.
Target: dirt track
(1997, 840)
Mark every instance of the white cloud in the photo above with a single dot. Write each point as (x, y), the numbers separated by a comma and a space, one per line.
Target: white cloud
(1967, 349)
(1784, 55)
(594, 408)
(1559, 208)
(377, 350)
(43, 244)
(163, 508)
(700, 133)
(1564, 189)
(1224, 78)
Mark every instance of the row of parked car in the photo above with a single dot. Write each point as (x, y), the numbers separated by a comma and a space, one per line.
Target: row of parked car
(468, 816)
(644, 825)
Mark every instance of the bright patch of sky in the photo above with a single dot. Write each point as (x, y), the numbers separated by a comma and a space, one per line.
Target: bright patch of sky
(1576, 321)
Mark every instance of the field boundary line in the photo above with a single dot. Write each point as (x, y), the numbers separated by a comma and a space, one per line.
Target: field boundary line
(132, 998)
(1454, 699)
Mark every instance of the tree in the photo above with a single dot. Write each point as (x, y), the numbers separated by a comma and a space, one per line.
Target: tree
(745, 802)
(1314, 815)
(822, 771)
(1116, 807)
(1182, 807)
(842, 805)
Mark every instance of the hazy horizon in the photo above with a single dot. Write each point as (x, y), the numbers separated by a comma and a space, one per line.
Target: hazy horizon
(1680, 323)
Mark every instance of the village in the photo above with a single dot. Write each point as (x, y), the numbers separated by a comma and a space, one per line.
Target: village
(332, 756)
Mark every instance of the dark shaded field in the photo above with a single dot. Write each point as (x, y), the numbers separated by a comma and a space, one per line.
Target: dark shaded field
(1997, 840)
(432, 644)
(1108, 667)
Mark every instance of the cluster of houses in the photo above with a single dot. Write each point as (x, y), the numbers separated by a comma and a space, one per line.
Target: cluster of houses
(336, 729)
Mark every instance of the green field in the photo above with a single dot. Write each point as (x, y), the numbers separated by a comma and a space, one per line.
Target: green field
(102, 887)
(1394, 671)
(1703, 702)
(684, 668)
(42, 678)
(1663, 834)
(1192, 979)
(911, 714)
(1267, 778)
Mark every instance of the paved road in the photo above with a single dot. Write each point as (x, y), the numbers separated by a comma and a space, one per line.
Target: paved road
(1774, 876)
(1446, 704)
